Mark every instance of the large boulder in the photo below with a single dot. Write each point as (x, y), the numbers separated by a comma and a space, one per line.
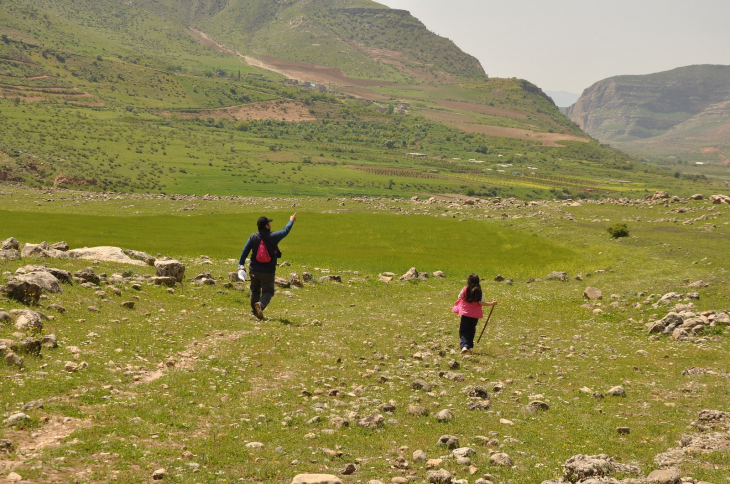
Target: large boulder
(170, 268)
(593, 293)
(104, 253)
(44, 279)
(22, 291)
(29, 322)
(581, 467)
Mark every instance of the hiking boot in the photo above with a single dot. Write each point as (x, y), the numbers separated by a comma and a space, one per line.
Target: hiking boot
(464, 350)
(259, 311)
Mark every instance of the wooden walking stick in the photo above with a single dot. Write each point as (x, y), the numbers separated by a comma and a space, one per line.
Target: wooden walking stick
(485, 324)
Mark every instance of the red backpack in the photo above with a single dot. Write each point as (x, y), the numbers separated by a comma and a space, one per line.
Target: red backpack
(262, 254)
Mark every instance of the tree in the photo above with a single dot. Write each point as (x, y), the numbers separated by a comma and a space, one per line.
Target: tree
(391, 184)
(243, 125)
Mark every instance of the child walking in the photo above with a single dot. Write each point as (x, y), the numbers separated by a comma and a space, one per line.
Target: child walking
(469, 307)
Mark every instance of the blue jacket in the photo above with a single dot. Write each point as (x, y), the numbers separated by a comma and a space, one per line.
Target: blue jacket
(253, 246)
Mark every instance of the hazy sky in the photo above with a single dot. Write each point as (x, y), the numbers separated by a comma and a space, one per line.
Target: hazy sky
(567, 45)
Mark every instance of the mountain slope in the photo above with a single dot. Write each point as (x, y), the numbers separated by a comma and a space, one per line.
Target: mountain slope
(677, 111)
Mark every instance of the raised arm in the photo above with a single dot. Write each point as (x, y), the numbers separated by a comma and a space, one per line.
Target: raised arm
(277, 236)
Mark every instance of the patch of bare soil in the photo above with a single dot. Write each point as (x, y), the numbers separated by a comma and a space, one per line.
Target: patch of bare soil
(203, 38)
(483, 109)
(278, 110)
(446, 116)
(547, 139)
(316, 73)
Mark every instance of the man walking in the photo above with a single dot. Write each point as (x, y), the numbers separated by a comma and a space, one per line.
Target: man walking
(264, 248)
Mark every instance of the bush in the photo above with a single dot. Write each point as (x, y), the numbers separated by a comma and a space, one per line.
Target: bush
(618, 230)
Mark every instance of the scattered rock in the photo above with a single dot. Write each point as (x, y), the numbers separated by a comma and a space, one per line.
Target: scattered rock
(417, 410)
(441, 476)
(16, 419)
(128, 304)
(419, 456)
(421, 385)
(444, 415)
(372, 421)
(22, 291)
(581, 467)
(439, 275)
(501, 459)
(14, 477)
(557, 276)
(11, 359)
(159, 474)
(448, 441)
(29, 322)
(87, 275)
(664, 476)
(410, 275)
(617, 391)
(170, 268)
(623, 430)
(349, 469)
(537, 406)
(254, 445)
(316, 479)
(330, 278)
(592, 293)
(6, 445)
(141, 256)
(10, 244)
(71, 367)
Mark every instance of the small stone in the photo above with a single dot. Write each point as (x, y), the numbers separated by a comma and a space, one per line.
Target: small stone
(441, 476)
(504, 421)
(128, 304)
(419, 456)
(664, 476)
(421, 385)
(17, 418)
(372, 421)
(501, 459)
(254, 445)
(417, 410)
(316, 479)
(433, 463)
(448, 441)
(463, 452)
(349, 470)
(159, 474)
(593, 294)
(617, 391)
(71, 367)
(623, 430)
(32, 405)
(13, 477)
(537, 406)
(444, 415)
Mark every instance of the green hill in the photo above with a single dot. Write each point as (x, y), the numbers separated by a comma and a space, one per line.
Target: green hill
(680, 113)
(320, 97)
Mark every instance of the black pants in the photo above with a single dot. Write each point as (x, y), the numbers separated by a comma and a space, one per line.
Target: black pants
(262, 288)
(467, 330)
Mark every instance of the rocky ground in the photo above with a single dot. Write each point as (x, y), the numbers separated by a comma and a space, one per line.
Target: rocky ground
(128, 367)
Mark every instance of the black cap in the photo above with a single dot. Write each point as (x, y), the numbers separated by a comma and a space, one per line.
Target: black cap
(264, 221)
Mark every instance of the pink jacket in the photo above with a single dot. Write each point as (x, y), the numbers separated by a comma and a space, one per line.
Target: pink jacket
(463, 308)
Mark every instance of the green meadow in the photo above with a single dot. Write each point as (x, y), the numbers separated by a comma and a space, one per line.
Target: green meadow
(188, 377)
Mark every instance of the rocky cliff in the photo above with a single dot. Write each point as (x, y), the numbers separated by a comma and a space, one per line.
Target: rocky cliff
(629, 108)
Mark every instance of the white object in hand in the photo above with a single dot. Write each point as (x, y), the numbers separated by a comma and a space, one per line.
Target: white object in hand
(242, 275)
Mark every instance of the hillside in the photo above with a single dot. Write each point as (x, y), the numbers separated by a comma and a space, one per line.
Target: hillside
(680, 113)
(223, 96)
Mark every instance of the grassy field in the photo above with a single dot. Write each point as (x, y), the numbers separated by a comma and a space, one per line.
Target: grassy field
(187, 378)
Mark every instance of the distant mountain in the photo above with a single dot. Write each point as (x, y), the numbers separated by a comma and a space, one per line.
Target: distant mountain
(563, 99)
(683, 112)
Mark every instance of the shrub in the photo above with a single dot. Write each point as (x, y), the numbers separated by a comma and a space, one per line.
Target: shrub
(618, 230)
